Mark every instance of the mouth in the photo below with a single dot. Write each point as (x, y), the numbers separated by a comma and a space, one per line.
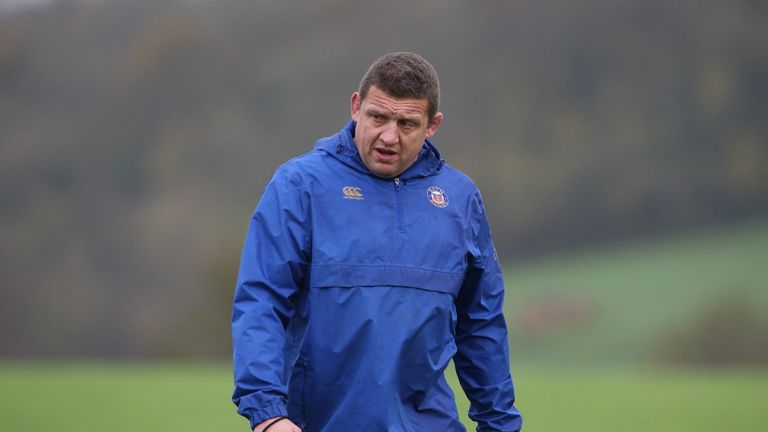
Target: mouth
(385, 154)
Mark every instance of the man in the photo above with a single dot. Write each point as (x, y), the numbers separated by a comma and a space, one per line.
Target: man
(367, 267)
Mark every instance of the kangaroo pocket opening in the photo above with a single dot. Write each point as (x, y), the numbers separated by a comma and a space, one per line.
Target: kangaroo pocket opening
(297, 389)
(361, 275)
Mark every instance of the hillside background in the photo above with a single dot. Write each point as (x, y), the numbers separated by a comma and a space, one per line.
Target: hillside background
(136, 137)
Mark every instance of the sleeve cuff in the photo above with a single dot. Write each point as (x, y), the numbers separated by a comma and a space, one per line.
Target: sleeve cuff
(258, 414)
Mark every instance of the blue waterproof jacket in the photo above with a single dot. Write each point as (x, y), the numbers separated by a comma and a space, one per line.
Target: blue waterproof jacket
(354, 293)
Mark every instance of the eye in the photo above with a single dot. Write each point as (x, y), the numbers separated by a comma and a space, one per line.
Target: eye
(407, 124)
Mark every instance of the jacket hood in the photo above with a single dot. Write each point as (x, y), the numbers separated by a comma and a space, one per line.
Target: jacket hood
(341, 146)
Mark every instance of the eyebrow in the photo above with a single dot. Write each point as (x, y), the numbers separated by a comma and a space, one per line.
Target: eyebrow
(371, 110)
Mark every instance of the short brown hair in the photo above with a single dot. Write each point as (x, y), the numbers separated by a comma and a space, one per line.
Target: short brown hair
(404, 75)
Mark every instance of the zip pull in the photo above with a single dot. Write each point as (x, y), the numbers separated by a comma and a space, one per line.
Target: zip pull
(397, 183)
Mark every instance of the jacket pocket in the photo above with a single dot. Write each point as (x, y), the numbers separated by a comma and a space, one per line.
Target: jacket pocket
(361, 275)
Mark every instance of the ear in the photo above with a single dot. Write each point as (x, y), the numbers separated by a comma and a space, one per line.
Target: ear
(354, 106)
(434, 124)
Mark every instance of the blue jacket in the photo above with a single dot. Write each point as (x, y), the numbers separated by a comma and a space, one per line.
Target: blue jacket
(354, 293)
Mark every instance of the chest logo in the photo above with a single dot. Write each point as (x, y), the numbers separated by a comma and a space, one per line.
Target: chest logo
(437, 197)
(352, 192)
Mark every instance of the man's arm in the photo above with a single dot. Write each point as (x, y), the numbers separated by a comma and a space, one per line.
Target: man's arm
(482, 360)
(272, 271)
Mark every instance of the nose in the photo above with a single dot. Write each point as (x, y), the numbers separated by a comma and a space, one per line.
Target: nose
(389, 134)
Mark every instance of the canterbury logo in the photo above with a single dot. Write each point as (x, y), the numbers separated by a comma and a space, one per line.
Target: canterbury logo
(351, 192)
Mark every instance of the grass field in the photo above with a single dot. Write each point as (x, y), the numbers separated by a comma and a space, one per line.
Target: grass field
(176, 397)
(637, 294)
(596, 372)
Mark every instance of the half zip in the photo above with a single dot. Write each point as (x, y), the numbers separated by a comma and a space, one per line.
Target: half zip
(399, 201)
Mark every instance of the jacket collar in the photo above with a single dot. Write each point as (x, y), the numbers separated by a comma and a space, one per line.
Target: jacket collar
(342, 147)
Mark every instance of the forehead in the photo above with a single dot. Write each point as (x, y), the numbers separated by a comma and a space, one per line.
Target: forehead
(377, 99)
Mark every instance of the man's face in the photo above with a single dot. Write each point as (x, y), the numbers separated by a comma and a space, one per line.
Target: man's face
(391, 131)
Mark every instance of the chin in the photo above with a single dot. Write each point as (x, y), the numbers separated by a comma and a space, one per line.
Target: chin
(387, 174)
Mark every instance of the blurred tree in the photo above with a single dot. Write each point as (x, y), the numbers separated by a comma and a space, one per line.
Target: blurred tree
(135, 137)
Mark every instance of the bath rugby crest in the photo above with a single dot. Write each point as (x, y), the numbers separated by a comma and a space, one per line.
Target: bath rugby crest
(437, 197)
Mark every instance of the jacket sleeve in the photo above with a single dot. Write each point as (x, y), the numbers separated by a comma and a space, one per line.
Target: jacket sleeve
(482, 358)
(272, 271)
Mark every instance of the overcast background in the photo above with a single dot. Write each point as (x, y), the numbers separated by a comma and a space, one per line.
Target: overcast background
(136, 137)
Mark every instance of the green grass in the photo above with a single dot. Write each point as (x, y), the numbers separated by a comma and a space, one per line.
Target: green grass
(643, 400)
(637, 399)
(638, 293)
(166, 397)
(116, 397)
